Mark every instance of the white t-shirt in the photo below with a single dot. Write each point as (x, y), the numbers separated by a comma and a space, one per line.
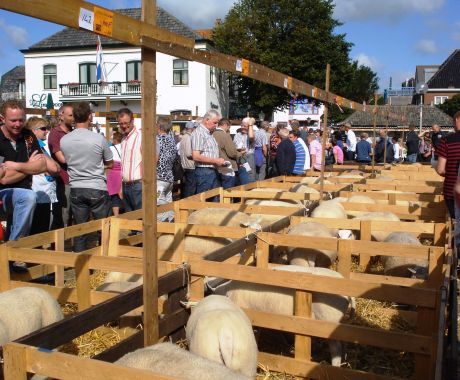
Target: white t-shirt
(397, 150)
(116, 151)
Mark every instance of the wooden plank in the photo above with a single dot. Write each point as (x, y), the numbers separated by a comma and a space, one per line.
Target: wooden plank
(312, 370)
(196, 288)
(325, 136)
(15, 362)
(344, 254)
(33, 240)
(440, 232)
(114, 237)
(149, 179)
(59, 245)
(365, 234)
(65, 366)
(392, 340)
(130, 224)
(302, 308)
(105, 233)
(308, 282)
(81, 229)
(83, 282)
(425, 326)
(178, 246)
(298, 241)
(4, 268)
(262, 253)
(272, 195)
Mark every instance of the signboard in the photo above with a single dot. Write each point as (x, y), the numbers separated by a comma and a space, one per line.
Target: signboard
(303, 107)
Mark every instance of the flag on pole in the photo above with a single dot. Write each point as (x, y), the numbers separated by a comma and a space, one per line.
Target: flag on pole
(101, 74)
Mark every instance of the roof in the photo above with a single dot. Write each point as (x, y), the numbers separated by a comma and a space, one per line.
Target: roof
(448, 75)
(76, 38)
(421, 72)
(431, 115)
(9, 80)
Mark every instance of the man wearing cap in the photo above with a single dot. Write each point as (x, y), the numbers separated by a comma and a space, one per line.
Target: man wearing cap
(205, 153)
(228, 152)
(351, 142)
(188, 186)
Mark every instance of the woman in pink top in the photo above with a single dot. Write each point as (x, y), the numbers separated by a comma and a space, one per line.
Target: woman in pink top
(114, 175)
(338, 152)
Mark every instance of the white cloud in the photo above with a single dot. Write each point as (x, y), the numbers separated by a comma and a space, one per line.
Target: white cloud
(16, 34)
(426, 46)
(365, 60)
(197, 14)
(346, 10)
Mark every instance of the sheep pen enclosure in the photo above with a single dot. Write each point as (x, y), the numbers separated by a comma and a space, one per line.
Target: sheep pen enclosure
(398, 320)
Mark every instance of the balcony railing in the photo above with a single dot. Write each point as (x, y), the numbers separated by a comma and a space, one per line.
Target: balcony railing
(404, 91)
(103, 89)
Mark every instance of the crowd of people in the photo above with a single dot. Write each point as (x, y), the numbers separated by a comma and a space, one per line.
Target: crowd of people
(52, 177)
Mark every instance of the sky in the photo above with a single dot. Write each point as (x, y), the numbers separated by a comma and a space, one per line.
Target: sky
(390, 36)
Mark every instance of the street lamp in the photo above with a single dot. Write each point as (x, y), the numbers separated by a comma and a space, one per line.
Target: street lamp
(422, 91)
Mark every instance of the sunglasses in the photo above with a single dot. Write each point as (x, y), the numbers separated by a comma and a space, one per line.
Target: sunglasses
(44, 129)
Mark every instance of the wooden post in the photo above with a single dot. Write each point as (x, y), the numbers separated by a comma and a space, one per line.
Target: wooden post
(386, 134)
(4, 268)
(107, 124)
(59, 242)
(15, 364)
(149, 182)
(323, 160)
(302, 308)
(373, 131)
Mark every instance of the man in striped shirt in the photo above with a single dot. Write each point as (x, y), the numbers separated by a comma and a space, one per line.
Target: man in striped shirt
(448, 152)
(205, 153)
(300, 153)
(131, 160)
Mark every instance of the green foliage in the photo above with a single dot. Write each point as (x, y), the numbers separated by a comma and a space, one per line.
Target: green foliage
(295, 37)
(450, 106)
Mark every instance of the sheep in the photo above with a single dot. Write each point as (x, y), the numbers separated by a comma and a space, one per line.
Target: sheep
(304, 189)
(383, 216)
(278, 300)
(359, 199)
(309, 180)
(24, 310)
(218, 217)
(171, 360)
(220, 331)
(404, 266)
(308, 256)
(329, 209)
(266, 219)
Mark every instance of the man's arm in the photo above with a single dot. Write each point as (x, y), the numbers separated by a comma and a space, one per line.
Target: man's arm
(441, 167)
(35, 165)
(60, 157)
(197, 156)
(52, 167)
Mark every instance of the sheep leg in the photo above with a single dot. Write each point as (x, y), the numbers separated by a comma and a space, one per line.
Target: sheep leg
(335, 347)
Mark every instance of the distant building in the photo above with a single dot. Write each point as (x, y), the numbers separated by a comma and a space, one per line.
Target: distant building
(12, 84)
(64, 65)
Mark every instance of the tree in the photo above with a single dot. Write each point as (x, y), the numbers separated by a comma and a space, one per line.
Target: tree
(450, 106)
(295, 37)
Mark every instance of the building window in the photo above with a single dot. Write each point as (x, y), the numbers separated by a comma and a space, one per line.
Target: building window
(49, 77)
(212, 77)
(22, 89)
(133, 71)
(180, 72)
(88, 73)
(440, 99)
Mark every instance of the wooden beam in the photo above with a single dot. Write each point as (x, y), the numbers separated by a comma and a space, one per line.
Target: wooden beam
(324, 140)
(149, 180)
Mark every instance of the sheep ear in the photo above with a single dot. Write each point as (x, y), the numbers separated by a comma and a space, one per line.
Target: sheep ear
(226, 346)
(245, 224)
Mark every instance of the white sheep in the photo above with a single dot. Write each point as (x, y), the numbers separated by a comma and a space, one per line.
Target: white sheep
(398, 201)
(359, 199)
(278, 300)
(220, 331)
(201, 245)
(311, 257)
(266, 219)
(171, 360)
(329, 209)
(382, 216)
(309, 180)
(304, 189)
(24, 310)
(404, 266)
(218, 217)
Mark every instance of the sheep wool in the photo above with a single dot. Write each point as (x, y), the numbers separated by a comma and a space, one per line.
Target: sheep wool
(171, 360)
(218, 217)
(24, 310)
(329, 210)
(311, 257)
(383, 216)
(402, 266)
(220, 331)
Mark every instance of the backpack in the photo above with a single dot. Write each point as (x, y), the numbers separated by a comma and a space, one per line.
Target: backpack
(178, 171)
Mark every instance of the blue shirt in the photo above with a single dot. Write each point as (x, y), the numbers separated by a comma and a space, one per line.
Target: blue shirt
(299, 158)
(363, 151)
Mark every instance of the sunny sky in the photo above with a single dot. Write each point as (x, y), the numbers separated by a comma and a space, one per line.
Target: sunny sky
(390, 36)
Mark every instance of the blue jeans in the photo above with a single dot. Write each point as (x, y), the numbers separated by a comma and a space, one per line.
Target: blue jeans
(411, 157)
(132, 195)
(243, 176)
(206, 179)
(227, 181)
(19, 206)
(86, 201)
(189, 185)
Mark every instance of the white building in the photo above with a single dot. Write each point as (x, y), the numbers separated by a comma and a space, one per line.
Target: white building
(301, 110)
(64, 65)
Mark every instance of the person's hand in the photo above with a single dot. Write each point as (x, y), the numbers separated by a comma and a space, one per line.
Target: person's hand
(36, 156)
(10, 165)
(220, 161)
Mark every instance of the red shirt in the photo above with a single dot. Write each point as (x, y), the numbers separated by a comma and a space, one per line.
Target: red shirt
(449, 148)
(54, 143)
